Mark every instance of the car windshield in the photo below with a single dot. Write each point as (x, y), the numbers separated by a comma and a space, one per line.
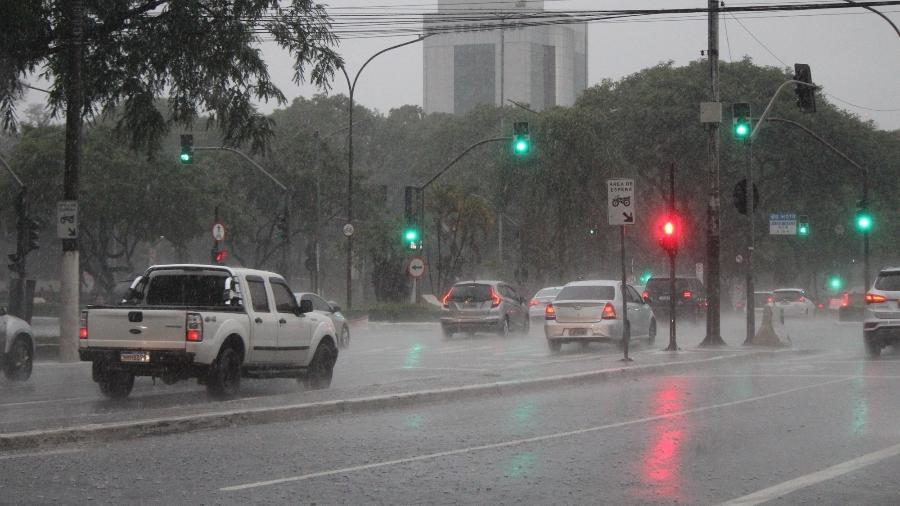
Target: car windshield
(547, 293)
(660, 286)
(888, 281)
(586, 292)
(788, 295)
(471, 293)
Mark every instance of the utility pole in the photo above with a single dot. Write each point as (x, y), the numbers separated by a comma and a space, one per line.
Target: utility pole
(750, 305)
(713, 286)
(69, 269)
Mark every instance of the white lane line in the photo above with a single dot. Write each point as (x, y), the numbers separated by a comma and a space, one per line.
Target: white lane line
(783, 489)
(29, 403)
(517, 442)
(460, 350)
(465, 369)
(40, 454)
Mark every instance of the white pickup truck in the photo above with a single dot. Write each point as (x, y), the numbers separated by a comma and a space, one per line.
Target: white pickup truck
(213, 323)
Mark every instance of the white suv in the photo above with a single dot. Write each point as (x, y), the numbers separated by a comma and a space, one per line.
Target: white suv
(881, 318)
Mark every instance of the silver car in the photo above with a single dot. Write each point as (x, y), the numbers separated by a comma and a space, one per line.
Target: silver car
(881, 318)
(538, 303)
(586, 311)
(17, 347)
(793, 302)
(483, 306)
(331, 310)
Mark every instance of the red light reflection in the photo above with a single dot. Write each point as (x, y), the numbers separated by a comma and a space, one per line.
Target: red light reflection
(661, 463)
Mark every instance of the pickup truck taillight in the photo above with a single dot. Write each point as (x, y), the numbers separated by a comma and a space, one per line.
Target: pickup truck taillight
(82, 331)
(193, 326)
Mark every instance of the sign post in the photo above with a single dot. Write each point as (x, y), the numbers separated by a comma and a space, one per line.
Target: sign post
(620, 209)
(415, 269)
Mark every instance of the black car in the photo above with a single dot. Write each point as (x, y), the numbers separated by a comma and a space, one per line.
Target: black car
(690, 298)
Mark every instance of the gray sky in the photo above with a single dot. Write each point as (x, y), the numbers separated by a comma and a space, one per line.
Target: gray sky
(854, 54)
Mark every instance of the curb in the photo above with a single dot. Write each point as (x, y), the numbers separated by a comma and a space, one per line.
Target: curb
(116, 431)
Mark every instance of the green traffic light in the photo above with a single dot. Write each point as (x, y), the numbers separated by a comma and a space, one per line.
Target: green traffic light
(185, 158)
(835, 283)
(411, 235)
(645, 276)
(521, 146)
(803, 229)
(741, 130)
(864, 222)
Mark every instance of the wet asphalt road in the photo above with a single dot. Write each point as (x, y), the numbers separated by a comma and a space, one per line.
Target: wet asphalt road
(801, 428)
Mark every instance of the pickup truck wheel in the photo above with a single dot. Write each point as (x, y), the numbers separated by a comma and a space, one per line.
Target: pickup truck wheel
(224, 378)
(19, 361)
(116, 384)
(321, 368)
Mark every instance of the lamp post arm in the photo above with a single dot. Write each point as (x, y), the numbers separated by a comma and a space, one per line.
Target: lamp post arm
(358, 72)
(865, 171)
(13, 174)
(252, 162)
(870, 8)
(765, 113)
(459, 156)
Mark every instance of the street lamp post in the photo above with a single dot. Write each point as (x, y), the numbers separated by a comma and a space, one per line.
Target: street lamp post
(351, 87)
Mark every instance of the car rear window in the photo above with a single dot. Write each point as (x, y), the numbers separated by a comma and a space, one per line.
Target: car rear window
(888, 281)
(660, 286)
(547, 292)
(788, 296)
(761, 299)
(587, 292)
(474, 293)
(186, 289)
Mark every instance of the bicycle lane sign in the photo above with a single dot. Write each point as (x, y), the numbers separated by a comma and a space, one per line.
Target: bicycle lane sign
(620, 201)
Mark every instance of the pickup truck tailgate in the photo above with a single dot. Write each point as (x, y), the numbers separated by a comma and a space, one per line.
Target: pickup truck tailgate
(156, 329)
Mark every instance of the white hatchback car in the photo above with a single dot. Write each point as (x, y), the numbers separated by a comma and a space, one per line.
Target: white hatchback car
(538, 303)
(585, 311)
(793, 302)
(881, 317)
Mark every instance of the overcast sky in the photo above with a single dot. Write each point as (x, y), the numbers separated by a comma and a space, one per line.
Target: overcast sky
(854, 54)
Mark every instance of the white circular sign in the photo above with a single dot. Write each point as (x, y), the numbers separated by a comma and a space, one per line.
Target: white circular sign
(739, 258)
(348, 229)
(218, 232)
(416, 267)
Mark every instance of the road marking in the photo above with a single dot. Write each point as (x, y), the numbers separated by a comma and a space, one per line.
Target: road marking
(461, 350)
(28, 403)
(518, 442)
(783, 489)
(465, 369)
(40, 454)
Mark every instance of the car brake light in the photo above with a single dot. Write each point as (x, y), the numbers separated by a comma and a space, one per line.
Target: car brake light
(687, 294)
(802, 299)
(845, 299)
(193, 327)
(495, 298)
(609, 312)
(875, 298)
(83, 330)
(550, 312)
(645, 295)
(446, 300)
(770, 300)
(533, 302)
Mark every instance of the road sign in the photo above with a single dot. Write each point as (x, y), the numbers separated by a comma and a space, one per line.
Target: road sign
(783, 224)
(348, 229)
(67, 219)
(698, 269)
(218, 232)
(620, 201)
(416, 267)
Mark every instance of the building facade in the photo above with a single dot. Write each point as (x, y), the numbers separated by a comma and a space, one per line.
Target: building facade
(541, 66)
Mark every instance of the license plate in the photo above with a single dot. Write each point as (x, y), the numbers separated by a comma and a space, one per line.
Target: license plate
(135, 356)
(663, 297)
(577, 332)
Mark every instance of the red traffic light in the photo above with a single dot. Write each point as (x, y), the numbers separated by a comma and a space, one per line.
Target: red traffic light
(669, 233)
(221, 256)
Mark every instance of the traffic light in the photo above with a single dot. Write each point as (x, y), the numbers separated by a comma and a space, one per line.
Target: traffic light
(669, 233)
(803, 226)
(806, 93)
(592, 231)
(17, 264)
(187, 149)
(864, 220)
(411, 238)
(521, 145)
(835, 283)
(645, 277)
(221, 256)
(739, 194)
(281, 225)
(741, 125)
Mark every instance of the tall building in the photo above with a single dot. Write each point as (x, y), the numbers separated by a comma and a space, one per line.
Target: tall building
(541, 66)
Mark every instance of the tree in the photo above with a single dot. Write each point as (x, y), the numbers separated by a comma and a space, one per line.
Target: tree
(202, 54)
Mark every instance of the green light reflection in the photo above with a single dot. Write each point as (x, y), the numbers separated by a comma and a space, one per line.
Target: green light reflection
(413, 356)
(520, 464)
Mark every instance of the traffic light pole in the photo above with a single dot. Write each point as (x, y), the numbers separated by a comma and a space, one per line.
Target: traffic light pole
(673, 342)
(626, 323)
(750, 306)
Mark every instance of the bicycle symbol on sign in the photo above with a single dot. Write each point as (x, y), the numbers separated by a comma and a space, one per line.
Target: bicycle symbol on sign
(625, 201)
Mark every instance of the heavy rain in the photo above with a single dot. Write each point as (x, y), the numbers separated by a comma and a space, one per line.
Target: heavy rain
(449, 252)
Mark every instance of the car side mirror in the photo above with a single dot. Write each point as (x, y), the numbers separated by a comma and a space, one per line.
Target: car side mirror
(306, 306)
(334, 307)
